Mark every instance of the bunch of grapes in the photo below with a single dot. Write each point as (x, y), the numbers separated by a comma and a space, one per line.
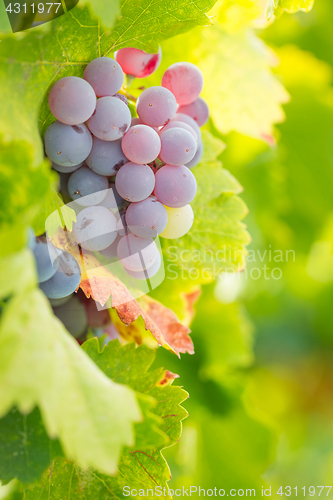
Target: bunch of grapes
(130, 178)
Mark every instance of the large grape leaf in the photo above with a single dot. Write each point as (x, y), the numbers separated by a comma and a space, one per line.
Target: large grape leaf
(107, 12)
(218, 238)
(26, 449)
(29, 64)
(40, 360)
(138, 467)
(277, 7)
(240, 89)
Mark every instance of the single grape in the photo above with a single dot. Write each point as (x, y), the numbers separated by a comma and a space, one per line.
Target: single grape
(111, 251)
(60, 302)
(67, 145)
(122, 98)
(136, 254)
(147, 273)
(86, 187)
(146, 218)
(141, 144)
(65, 280)
(45, 267)
(95, 228)
(72, 100)
(198, 110)
(111, 119)
(73, 316)
(175, 186)
(96, 318)
(104, 75)
(197, 157)
(106, 157)
(180, 221)
(183, 125)
(184, 80)
(138, 63)
(181, 117)
(66, 170)
(135, 182)
(113, 199)
(122, 227)
(178, 146)
(156, 106)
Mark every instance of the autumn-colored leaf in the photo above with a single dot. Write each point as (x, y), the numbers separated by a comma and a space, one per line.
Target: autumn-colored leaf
(99, 283)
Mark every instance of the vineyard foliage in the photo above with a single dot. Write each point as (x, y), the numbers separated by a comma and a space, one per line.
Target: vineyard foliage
(85, 421)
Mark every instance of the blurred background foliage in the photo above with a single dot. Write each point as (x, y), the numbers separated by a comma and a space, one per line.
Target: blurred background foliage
(261, 381)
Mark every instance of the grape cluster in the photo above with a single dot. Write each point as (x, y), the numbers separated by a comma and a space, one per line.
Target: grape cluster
(130, 178)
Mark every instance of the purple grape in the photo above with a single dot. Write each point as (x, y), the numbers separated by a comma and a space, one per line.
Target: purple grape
(60, 302)
(104, 75)
(73, 316)
(122, 98)
(156, 106)
(184, 80)
(198, 110)
(197, 157)
(65, 280)
(135, 182)
(72, 100)
(183, 125)
(66, 170)
(147, 218)
(67, 145)
(106, 157)
(95, 228)
(178, 146)
(136, 254)
(44, 264)
(180, 117)
(137, 63)
(113, 199)
(111, 119)
(147, 273)
(141, 144)
(175, 186)
(86, 187)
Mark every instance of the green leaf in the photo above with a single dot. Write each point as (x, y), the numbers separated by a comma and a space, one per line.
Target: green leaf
(25, 189)
(218, 238)
(26, 450)
(55, 215)
(17, 272)
(40, 360)
(145, 25)
(106, 11)
(234, 335)
(290, 6)
(4, 21)
(142, 466)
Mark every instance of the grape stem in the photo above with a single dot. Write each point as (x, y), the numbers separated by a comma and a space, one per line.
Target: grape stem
(129, 96)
